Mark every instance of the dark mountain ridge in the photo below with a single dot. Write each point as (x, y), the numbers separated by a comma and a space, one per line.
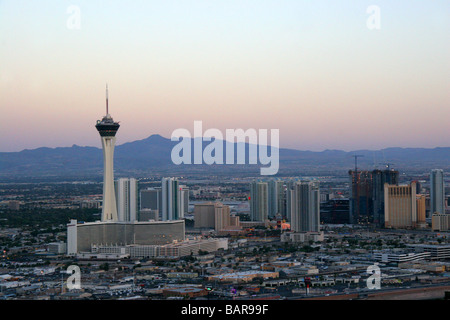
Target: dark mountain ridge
(153, 155)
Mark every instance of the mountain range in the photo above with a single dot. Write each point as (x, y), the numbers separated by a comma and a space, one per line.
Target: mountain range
(153, 156)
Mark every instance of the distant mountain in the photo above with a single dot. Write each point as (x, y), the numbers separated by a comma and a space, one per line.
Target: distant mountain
(153, 155)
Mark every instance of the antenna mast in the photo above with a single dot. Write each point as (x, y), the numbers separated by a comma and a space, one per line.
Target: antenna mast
(107, 111)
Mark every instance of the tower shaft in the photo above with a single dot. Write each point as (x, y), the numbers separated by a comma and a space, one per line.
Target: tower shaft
(109, 208)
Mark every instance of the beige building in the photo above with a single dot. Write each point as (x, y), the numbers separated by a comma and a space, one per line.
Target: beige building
(221, 217)
(440, 222)
(235, 221)
(204, 215)
(403, 209)
(214, 215)
(302, 236)
(421, 211)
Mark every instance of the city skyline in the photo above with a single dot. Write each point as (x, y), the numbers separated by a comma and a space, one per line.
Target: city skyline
(313, 70)
(166, 218)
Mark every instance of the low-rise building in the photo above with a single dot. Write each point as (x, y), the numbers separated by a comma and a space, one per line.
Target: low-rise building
(57, 247)
(245, 276)
(400, 257)
(175, 249)
(302, 236)
(190, 292)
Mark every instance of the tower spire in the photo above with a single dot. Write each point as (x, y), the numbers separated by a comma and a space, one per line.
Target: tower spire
(107, 111)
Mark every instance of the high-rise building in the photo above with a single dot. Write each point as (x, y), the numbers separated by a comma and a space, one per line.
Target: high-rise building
(305, 206)
(277, 201)
(108, 129)
(437, 192)
(171, 205)
(379, 178)
(259, 201)
(222, 217)
(421, 210)
(151, 198)
(335, 211)
(440, 222)
(289, 195)
(403, 208)
(361, 203)
(214, 215)
(204, 215)
(126, 190)
(184, 199)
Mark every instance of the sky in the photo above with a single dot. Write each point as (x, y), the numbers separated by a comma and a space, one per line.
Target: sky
(327, 74)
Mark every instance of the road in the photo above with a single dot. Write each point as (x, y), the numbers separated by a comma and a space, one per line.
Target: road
(427, 292)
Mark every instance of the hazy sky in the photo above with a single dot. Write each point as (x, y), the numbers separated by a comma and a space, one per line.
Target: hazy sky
(312, 69)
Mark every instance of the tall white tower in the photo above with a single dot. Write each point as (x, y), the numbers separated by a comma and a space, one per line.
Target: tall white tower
(437, 192)
(304, 198)
(259, 201)
(108, 129)
(171, 199)
(126, 198)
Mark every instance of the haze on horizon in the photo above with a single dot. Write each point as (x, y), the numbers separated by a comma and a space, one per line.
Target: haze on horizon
(312, 69)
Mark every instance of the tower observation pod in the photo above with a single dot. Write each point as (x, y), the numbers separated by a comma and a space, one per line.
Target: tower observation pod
(108, 129)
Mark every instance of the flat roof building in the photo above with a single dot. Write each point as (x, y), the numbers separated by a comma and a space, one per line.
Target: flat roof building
(440, 222)
(172, 250)
(437, 191)
(82, 236)
(404, 209)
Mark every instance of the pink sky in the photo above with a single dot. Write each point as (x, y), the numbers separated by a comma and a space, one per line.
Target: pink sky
(314, 72)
